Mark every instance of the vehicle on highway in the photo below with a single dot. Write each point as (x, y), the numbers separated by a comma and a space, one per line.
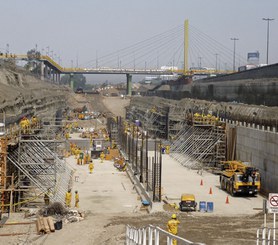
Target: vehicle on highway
(188, 202)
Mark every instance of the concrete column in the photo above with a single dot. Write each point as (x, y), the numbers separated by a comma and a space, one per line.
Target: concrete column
(56, 76)
(59, 78)
(45, 71)
(42, 70)
(71, 81)
(128, 84)
(53, 75)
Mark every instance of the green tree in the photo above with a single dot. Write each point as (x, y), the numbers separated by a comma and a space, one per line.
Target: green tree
(79, 80)
(32, 61)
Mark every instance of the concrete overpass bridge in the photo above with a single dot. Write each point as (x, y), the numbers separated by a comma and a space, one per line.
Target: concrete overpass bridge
(51, 69)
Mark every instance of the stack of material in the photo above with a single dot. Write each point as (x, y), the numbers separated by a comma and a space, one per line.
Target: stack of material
(113, 153)
(45, 225)
(74, 216)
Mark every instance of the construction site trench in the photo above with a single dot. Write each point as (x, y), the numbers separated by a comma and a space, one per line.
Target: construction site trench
(45, 159)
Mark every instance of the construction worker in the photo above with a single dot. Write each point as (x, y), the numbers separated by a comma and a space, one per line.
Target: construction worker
(47, 198)
(167, 149)
(172, 226)
(68, 199)
(102, 155)
(91, 167)
(76, 199)
(67, 135)
(81, 156)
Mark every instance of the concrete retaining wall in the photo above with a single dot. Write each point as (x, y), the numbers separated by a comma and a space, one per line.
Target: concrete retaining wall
(261, 149)
(270, 71)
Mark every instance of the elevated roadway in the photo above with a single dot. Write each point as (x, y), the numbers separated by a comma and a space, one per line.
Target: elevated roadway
(105, 70)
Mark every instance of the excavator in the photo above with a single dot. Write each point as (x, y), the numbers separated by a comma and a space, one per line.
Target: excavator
(237, 177)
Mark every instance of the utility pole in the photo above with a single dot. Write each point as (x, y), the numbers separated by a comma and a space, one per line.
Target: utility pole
(47, 50)
(157, 60)
(234, 56)
(200, 62)
(267, 37)
(216, 62)
(96, 60)
(7, 48)
(134, 61)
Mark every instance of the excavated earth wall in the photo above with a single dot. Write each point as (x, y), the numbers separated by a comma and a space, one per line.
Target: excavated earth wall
(22, 94)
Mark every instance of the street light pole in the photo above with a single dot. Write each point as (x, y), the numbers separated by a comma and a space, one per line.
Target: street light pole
(234, 56)
(267, 38)
(216, 55)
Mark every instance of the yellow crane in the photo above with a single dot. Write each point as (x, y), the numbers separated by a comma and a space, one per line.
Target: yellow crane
(237, 177)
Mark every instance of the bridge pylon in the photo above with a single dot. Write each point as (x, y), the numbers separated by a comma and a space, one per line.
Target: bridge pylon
(128, 84)
(186, 46)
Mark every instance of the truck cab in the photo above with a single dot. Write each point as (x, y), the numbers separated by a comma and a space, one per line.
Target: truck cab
(188, 202)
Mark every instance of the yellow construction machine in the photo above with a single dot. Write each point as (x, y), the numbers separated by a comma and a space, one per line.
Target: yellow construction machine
(237, 177)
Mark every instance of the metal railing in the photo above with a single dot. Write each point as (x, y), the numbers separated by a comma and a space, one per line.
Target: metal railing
(267, 236)
(153, 235)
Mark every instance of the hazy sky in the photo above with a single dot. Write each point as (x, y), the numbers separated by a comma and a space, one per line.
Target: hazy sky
(83, 28)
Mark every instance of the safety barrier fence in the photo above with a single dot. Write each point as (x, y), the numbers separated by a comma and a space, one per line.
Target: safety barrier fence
(153, 235)
(267, 236)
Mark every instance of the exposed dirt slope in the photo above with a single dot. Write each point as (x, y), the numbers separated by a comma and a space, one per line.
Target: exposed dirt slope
(23, 94)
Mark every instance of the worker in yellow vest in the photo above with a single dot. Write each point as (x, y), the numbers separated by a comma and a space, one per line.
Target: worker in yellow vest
(172, 226)
(68, 199)
(167, 149)
(102, 155)
(81, 156)
(91, 167)
(76, 199)
(47, 197)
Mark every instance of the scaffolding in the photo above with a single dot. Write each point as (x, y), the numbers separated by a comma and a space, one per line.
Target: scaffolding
(31, 166)
(201, 144)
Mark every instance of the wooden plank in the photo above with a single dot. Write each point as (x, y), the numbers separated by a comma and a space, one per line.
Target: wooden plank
(47, 230)
(42, 225)
(14, 234)
(20, 223)
(38, 225)
(51, 224)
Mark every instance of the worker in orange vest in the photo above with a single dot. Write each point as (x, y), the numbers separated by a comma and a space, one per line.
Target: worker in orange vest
(172, 226)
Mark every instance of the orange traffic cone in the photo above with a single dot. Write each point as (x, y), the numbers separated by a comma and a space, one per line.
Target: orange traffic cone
(227, 200)
(201, 182)
(210, 191)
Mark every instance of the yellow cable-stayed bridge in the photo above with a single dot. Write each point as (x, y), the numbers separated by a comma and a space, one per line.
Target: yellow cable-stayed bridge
(52, 68)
